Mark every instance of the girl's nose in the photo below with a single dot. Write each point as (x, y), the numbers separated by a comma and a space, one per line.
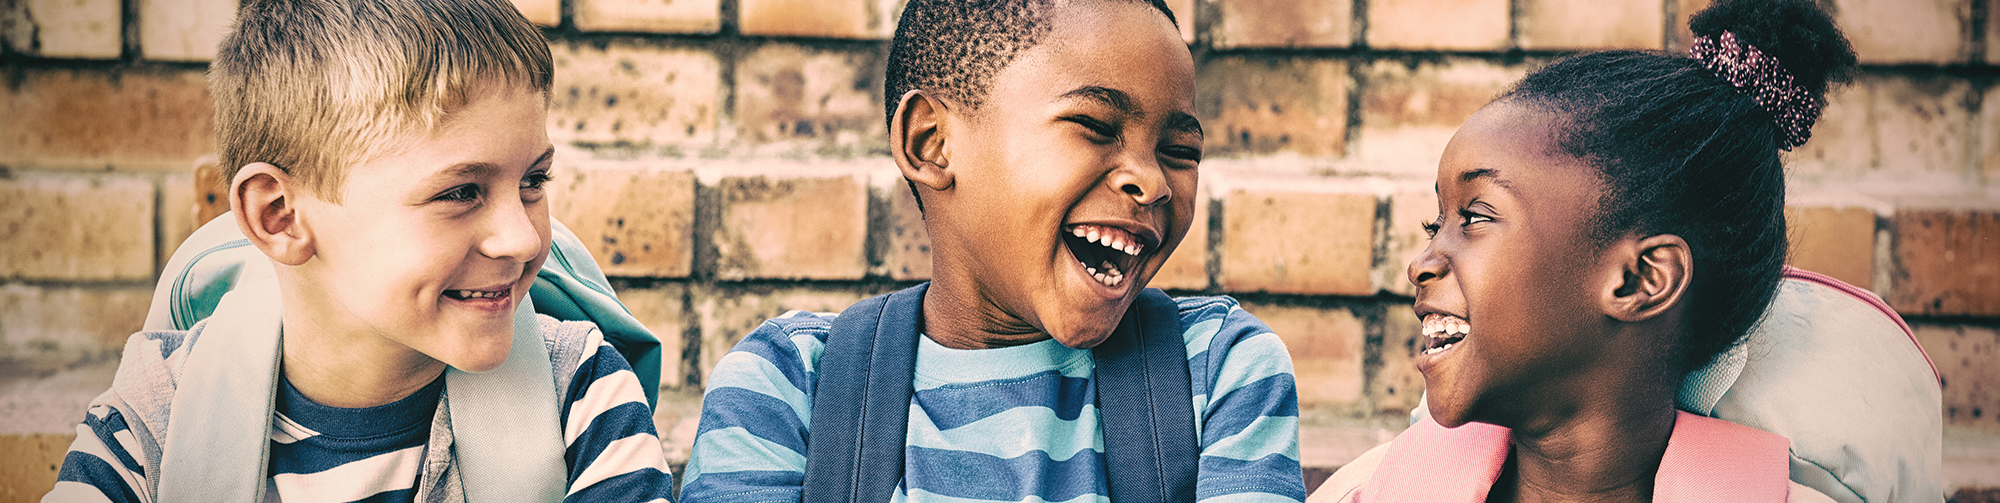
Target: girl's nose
(1427, 266)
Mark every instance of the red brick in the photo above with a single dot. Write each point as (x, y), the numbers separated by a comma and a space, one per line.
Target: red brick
(1947, 263)
(29, 463)
(1409, 112)
(1408, 211)
(1297, 242)
(144, 119)
(728, 312)
(790, 227)
(1965, 357)
(1284, 23)
(1326, 346)
(90, 228)
(861, 19)
(1261, 105)
(796, 97)
(1438, 24)
(1892, 133)
(183, 30)
(1592, 24)
(663, 310)
(85, 29)
(1905, 31)
(651, 16)
(61, 325)
(1837, 242)
(541, 12)
(637, 222)
(1397, 386)
(625, 93)
(905, 243)
(178, 212)
(1187, 268)
(1989, 133)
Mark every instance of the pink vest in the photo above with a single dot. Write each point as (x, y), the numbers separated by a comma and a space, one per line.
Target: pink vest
(1707, 460)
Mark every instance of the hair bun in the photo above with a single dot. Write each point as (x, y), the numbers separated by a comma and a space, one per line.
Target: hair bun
(1782, 53)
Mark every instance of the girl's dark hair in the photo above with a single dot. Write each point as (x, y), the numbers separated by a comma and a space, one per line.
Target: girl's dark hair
(1682, 151)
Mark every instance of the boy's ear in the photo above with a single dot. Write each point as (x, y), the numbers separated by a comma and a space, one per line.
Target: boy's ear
(917, 140)
(1655, 272)
(264, 199)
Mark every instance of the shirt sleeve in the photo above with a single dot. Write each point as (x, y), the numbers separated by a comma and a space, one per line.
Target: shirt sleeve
(751, 445)
(1248, 408)
(100, 465)
(610, 445)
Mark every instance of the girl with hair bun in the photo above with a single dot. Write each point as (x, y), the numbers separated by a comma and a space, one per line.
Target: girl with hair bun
(1609, 224)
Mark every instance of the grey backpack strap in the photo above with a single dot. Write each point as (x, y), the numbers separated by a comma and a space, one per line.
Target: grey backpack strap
(861, 401)
(1143, 397)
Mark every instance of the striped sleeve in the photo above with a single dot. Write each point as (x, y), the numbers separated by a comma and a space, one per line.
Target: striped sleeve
(1247, 405)
(751, 445)
(100, 465)
(610, 446)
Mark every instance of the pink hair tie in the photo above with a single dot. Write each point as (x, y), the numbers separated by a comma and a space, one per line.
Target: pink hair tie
(1792, 107)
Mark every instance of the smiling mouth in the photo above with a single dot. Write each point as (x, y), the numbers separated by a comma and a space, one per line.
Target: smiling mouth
(477, 294)
(1443, 331)
(1108, 254)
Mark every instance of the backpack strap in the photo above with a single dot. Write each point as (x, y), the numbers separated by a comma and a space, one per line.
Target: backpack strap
(1142, 397)
(861, 402)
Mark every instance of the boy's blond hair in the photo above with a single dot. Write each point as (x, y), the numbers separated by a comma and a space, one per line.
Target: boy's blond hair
(317, 86)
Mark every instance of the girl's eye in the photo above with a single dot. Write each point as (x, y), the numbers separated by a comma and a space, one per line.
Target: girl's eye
(1431, 227)
(534, 181)
(460, 194)
(1473, 218)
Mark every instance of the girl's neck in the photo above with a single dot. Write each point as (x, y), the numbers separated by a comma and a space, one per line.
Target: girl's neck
(1608, 450)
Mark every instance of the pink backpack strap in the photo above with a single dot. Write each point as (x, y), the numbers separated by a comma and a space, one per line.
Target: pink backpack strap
(1872, 300)
(1709, 459)
(1429, 462)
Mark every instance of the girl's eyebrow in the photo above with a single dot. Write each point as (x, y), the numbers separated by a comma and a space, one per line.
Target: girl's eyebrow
(1489, 173)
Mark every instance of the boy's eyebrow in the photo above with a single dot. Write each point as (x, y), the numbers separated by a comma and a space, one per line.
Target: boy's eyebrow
(482, 169)
(1108, 96)
(1182, 122)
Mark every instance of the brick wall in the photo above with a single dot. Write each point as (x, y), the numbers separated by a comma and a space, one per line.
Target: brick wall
(736, 167)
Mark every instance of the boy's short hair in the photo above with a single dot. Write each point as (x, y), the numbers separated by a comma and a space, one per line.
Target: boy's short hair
(955, 47)
(317, 86)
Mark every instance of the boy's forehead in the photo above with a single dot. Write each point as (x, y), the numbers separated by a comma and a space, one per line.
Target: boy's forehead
(1122, 54)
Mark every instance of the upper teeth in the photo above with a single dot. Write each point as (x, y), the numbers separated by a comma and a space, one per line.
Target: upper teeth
(1116, 239)
(475, 294)
(1438, 325)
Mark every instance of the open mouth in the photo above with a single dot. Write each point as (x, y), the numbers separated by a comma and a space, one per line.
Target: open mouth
(477, 294)
(1443, 331)
(1108, 253)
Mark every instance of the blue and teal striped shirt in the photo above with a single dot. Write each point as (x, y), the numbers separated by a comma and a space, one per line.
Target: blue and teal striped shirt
(1015, 424)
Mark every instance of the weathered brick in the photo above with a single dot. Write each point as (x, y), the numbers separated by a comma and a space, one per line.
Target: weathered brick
(1284, 23)
(1397, 386)
(183, 30)
(1905, 31)
(789, 227)
(901, 239)
(29, 463)
(1964, 356)
(627, 93)
(1297, 242)
(862, 19)
(1592, 24)
(55, 227)
(799, 97)
(1409, 111)
(662, 309)
(1325, 344)
(53, 326)
(1891, 133)
(651, 16)
(85, 29)
(1989, 133)
(637, 222)
(541, 12)
(1837, 242)
(43, 396)
(146, 119)
(1187, 268)
(178, 213)
(1947, 263)
(1261, 105)
(1438, 24)
(1408, 211)
(729, 312)
(211, 192)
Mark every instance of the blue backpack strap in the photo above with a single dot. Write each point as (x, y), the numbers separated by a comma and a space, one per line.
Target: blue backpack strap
(1147, 411)
(861, 404)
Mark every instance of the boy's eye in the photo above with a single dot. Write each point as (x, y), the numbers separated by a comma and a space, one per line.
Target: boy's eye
(534, 181)
(460, 194)
(1100, 132)
(1189, 154)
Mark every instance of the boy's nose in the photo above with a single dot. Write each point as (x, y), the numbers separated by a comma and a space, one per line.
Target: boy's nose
(1143, 180)
(511, 234)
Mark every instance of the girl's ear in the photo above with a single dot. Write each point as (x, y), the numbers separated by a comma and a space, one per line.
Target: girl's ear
(1655, 274)
(264, 198)
(917, 139)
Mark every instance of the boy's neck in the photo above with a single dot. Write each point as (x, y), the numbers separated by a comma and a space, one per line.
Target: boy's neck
(958, 318)
(337, 365)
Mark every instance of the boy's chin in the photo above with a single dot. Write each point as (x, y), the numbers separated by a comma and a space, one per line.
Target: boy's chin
(481, 355)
